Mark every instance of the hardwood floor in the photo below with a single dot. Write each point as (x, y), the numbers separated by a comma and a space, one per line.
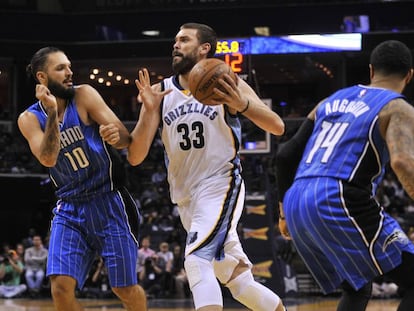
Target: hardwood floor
(293, 304)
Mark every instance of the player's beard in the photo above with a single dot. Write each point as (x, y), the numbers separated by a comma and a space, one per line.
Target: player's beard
(184, 65)
(60, 91)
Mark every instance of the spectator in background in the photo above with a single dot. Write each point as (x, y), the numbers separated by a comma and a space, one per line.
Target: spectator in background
(168, 257)
(97, 284)
(180, 287)
(5, 248)
(164, 252)
(46, 240)
(11, 270)
(150, 197)
(20, 249)
(159, 177)
(164, 220)
(144, 252)
(152, 276)
(28, 240)
(35, 258)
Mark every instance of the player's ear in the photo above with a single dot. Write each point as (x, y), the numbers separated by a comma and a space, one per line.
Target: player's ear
(41, 76)
(205, 48)
(371, 71)
(409, 76)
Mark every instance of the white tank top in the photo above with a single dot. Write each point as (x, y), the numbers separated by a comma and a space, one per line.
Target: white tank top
(201, 142)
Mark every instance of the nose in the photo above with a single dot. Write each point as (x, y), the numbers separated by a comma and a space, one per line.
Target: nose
(176, 45)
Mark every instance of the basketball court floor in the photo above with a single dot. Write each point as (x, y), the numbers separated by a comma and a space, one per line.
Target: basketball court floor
(293, 304)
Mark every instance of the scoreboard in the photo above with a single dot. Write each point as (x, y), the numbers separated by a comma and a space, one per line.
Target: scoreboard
(234, 52)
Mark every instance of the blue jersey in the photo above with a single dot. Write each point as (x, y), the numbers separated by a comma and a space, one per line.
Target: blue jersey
(86, 166)
(346, 143)
(95, 214)
(337, 226)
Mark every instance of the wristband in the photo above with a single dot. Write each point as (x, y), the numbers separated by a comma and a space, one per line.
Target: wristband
(245, 108)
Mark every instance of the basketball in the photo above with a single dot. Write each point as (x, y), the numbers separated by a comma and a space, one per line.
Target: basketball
(204, 77)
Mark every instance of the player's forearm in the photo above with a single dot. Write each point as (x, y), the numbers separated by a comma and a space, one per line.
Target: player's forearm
(50, 146)
(263, 117)
(138, 149)
(142, 137)
(124, 140)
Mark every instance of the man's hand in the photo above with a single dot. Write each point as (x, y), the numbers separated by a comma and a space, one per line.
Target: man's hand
(48, 99)
(284, 231)
(109, 133)
(149, 96)
(229, 93)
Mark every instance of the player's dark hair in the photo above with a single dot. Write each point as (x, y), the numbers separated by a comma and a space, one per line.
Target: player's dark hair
(205, 34)
(39, 59)
(391, 57)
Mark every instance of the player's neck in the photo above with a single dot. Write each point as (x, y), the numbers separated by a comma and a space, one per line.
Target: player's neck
(62, 104)
(390, 84)
(183, 80)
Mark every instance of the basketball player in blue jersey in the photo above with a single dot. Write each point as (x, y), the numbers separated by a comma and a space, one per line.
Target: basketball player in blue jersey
(342, 233)
(75, 134)
(204, 172)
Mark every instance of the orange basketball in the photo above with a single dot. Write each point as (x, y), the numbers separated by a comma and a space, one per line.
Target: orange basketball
(204, 77)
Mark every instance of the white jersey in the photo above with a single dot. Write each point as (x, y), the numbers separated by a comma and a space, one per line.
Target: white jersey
(200, 141)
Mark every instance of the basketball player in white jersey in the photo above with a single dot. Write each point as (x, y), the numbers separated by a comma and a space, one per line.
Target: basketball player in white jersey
(202, 157)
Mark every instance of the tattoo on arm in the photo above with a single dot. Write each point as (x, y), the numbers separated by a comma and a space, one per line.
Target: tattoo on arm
(400, 141)
(51, 144)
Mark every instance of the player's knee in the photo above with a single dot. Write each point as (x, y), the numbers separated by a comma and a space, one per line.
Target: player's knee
(195, 268)
(202, 281)
(62, 286)
(129, 293)
(225, 269)
(124, 292)
(252, 294)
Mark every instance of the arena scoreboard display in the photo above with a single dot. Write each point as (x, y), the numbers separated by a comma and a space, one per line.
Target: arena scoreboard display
(234, 52)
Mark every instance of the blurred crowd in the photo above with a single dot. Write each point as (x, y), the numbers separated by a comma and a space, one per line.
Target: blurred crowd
(160, 270)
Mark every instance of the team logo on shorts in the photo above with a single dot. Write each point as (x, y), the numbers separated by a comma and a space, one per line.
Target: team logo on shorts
(192, 237)
(396, 236)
